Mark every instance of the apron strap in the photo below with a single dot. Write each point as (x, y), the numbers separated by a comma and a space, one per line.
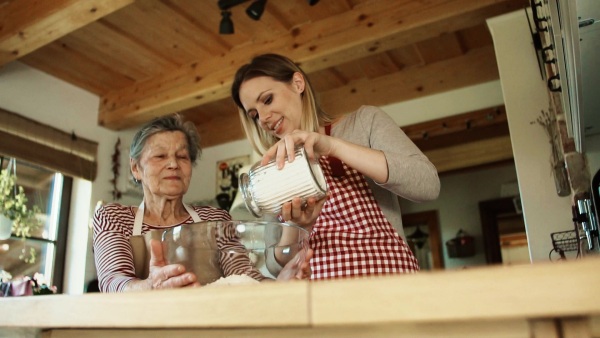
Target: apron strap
(139, 218)
(337, 168)
(192, 213)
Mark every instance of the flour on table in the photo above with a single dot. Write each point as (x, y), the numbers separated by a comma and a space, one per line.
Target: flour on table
(234, 280)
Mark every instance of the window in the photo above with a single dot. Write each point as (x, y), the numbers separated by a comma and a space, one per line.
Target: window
(51, 192)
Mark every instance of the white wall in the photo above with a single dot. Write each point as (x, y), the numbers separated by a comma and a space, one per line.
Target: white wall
(592, 152)
(525, 95)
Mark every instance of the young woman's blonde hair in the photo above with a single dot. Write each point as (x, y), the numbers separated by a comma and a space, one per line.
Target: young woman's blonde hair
(282, 69)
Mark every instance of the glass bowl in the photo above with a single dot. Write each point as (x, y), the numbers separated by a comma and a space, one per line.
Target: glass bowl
(218, 250)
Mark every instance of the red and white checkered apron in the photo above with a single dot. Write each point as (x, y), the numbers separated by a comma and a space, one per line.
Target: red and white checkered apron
(352, 237)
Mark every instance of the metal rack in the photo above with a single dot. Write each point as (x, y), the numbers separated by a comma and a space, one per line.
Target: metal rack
(564, 241)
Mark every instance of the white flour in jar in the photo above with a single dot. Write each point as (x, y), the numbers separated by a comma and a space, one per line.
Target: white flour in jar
(265, 188)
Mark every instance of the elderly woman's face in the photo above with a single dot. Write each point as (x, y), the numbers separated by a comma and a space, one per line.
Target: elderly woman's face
(165, 167)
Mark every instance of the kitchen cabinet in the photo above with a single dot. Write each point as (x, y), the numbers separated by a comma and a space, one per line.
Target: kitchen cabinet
(541, 300)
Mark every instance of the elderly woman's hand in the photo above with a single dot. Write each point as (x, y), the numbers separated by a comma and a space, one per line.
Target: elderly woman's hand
(291, 271)
(163, 276)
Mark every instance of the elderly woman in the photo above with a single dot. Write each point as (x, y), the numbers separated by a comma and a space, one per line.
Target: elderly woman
(161, 158)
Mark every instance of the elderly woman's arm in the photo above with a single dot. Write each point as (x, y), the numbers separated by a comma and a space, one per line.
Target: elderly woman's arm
(114, 257)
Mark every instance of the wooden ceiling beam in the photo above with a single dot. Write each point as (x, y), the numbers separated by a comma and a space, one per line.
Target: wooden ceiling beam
(475, 67)
(456, 123)
(374, 29)
(466, 155)
(457, 129)
(30, 24)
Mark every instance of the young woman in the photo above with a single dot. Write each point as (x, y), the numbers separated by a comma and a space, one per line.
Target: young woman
(367, 160)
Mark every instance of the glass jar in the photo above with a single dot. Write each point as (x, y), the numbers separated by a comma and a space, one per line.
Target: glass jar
(265, 188)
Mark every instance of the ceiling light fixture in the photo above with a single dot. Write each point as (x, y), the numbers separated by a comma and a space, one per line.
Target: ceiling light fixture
(226, 25)
(227, 4)
(256, 9)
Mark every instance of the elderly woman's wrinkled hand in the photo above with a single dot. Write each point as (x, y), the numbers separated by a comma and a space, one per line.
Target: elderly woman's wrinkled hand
(305, 272)
(297, 269)
(167, 276)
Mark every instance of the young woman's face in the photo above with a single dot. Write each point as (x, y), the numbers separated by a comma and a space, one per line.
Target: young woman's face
(165, 168)
(275, 106)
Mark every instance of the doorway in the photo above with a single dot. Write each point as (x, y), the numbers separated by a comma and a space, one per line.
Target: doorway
(422, 233)
(503, 230)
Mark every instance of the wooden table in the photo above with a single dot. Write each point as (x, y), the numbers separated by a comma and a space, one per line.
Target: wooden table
(541, 300)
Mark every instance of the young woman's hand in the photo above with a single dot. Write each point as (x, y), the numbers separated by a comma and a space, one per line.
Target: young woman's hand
(315, 145)
(302, 214)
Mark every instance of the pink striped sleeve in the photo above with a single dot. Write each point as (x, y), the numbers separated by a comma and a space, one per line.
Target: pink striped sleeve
(113, 224)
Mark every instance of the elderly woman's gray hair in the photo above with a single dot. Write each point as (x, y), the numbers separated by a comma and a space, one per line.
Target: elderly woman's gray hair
(166, 123)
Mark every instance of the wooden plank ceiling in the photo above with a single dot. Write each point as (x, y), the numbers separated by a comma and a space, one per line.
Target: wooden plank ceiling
(147, 58)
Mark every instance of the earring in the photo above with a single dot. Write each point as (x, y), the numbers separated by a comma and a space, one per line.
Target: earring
(136, 180)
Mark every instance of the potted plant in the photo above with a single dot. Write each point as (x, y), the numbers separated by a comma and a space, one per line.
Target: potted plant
(14, 210)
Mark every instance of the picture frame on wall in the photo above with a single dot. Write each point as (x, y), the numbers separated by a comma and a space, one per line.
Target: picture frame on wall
(227, 182)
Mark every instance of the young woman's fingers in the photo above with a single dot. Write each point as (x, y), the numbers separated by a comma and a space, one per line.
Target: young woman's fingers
(290, 147)
(286, 211)
(281, 155)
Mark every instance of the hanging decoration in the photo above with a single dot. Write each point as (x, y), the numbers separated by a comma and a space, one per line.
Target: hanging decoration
(116, 164)
(418, 237)
(13, 206)
(228, 180)
(557, 162)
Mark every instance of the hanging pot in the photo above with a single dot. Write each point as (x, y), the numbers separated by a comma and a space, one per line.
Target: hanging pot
(5, 227)
(463, 245)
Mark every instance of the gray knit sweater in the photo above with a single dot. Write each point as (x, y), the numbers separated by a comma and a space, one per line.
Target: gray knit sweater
(411, 175)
